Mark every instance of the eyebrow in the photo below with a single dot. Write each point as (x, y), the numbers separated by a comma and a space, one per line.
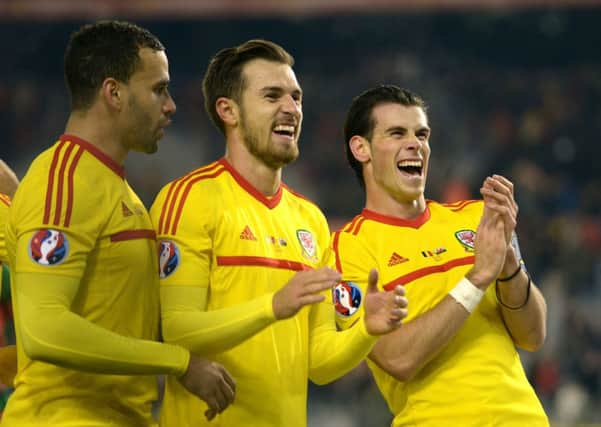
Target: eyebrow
(279, 89)
(403, 129)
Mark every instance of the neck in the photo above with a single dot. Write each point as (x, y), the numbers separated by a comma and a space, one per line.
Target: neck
(384, 203)
(264, 178)
(98, 131)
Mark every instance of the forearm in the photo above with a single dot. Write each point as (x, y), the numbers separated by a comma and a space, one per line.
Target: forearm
(524, 311)
(404, 352)
(51, 333)
(205, 333)
(334, 353)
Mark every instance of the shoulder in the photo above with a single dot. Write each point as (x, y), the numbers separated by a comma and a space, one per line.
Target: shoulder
(462, 207)
(303, 203)
(198, 191)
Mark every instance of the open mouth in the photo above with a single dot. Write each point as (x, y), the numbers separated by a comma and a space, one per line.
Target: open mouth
(284, 130)
(411, 167)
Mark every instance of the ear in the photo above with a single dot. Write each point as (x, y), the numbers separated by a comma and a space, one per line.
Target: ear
(361, 148)
(227, 110)
(111, 93)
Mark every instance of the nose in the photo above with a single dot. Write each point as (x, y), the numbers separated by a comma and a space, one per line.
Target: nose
(169, 107)
(291, 105)
(413, 142)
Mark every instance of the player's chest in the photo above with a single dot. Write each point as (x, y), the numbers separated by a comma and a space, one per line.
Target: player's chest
(128, 218)
(269, 233)
(407, 255)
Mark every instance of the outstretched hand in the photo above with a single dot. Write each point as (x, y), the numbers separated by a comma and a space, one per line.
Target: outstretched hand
(384, 310)
(211, 382)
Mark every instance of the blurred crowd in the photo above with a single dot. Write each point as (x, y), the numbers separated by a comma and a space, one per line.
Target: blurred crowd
(515, 94)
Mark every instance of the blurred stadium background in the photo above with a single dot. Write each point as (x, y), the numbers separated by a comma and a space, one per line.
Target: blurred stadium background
(514, 87)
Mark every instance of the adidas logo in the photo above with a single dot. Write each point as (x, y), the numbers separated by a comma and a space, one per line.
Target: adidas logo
(126, 211)
(396, 259)
(247, 234)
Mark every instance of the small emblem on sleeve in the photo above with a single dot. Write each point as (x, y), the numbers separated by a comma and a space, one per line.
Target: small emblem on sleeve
(466, 238)
(48, 247)
(169, 258)
(347, 298)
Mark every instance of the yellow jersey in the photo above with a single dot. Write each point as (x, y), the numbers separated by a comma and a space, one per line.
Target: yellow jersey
(75, 215)
(477, 379)
(217, 231)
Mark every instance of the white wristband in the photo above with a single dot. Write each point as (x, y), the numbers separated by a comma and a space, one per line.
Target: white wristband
(466, 294)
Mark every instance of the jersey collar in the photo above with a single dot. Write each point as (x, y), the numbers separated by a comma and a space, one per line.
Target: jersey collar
(416, 222)
(96, 152)
(270, 202)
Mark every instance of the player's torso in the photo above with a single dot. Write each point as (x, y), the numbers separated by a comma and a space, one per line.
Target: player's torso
(257, 245)
(110, 245)
(428, 258)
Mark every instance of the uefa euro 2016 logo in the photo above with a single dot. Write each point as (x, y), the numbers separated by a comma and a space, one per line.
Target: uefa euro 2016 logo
(48, 247)
(347, 298)
(168, 258)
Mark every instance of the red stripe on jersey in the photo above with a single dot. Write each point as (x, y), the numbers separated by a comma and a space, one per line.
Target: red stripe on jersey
(70, 185)
(5, 199)
(133, 234)
(262, 262)
(414, 275)
(182, 200)
(61, 183)
(335, 247)
(164, 208)
(358, 225)
(463, 205)
(50, 187)
(96, 152)
(171, 199)
(349, 226)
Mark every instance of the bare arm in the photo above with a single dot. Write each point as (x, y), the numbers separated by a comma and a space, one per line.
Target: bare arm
(522, 304)
(526, 320)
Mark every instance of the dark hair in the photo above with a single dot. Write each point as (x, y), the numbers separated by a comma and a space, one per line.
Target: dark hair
(224, 74)
(101, 50)
(359, 120)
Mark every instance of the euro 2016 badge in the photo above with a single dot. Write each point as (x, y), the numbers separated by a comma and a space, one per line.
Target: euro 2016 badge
(347, 298)
(467, 238)
(307, 243)
(169, 258)
(48, 247)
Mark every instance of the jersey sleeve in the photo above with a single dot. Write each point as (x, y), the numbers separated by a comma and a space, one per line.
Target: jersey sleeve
(185, 228)
(55, 231)
(354, 262)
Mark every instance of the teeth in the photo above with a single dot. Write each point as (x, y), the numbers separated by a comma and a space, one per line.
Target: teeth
(409, 163)
(284, 128)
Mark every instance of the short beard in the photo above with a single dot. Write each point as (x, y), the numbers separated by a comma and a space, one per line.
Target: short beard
(270, 159)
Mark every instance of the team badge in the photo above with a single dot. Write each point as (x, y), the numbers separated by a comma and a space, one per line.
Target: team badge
(48, 247)
(347, 298)
(307, 242)
(467, 238)
(168, 258)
